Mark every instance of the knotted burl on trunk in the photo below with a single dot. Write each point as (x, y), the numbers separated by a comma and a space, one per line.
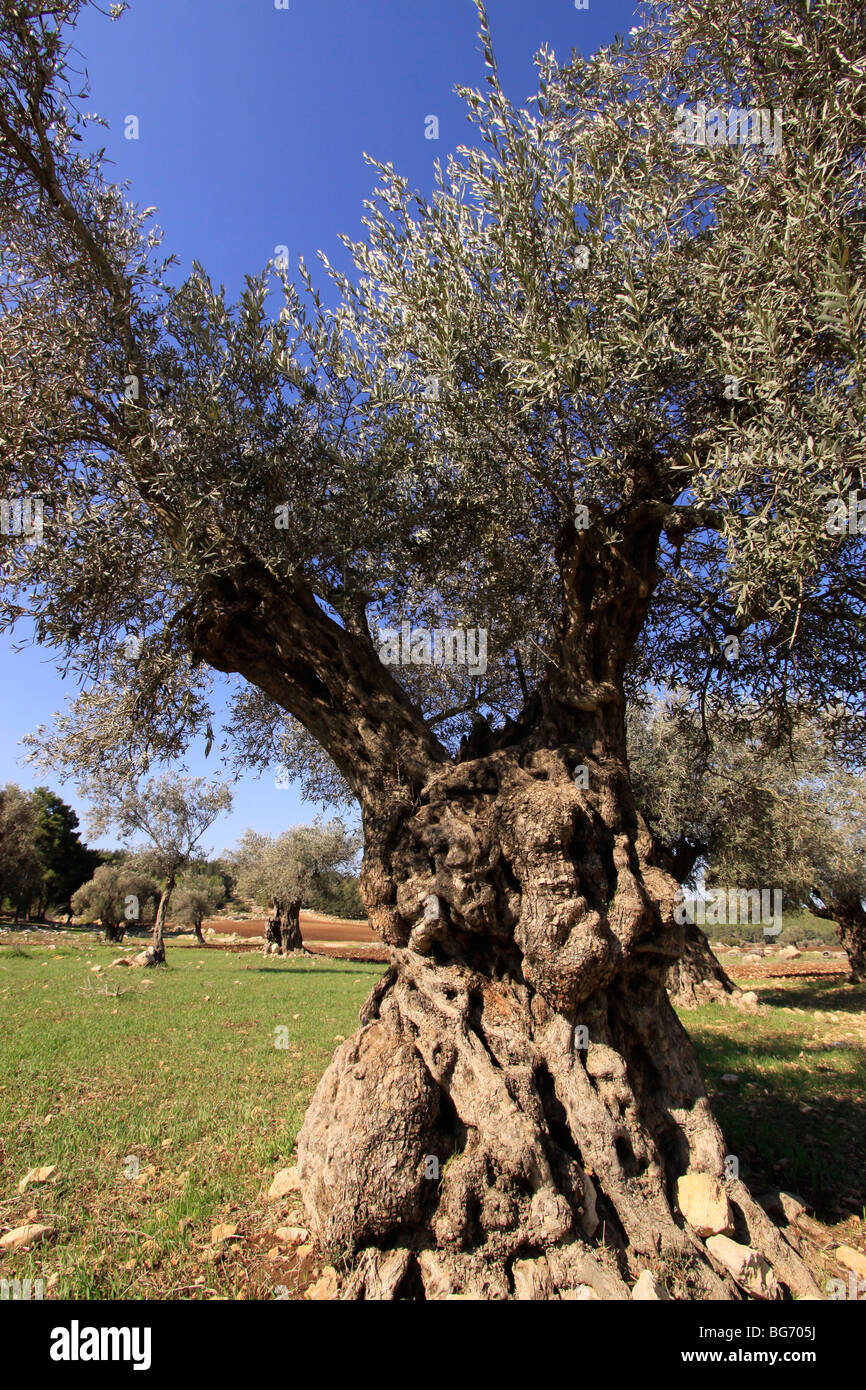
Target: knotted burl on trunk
(515, 1111)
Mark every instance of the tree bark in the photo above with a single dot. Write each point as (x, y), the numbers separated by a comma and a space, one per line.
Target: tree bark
(114, 931)
(196, 926)
(513, 1114)
(852, 934)
(274, 933)
(284, 929)
(156, 954)
(291, 928)
(850, 918)
(698, 978)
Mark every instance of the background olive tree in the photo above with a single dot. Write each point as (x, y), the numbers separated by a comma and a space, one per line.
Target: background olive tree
(754, 813)
(116, 896)
(168, 816)
(198, 894)
(282, 872)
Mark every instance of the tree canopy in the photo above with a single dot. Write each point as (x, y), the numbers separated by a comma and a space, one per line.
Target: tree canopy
(597, 351)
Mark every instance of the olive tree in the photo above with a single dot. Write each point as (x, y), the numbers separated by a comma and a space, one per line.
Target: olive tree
(687, 801)
(116, 895)
(22, 870)
(168, 815)
(600, 399)
(753, 811)
(282, 871)
(198, 895)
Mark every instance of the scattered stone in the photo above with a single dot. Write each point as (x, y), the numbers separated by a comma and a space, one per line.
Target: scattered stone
(703, 1202)
(23, 1236)
(782, 1206)
(747, 1000)
(750, 1270)
(852, 1259)
(222, 1232)
(649, 1289)
(532, 1280)
(122, 960)
(327, 1287)
(285, 1181)
(584, 1293)
(789, 953)
(274, 1253)
(292, 1235)
(730, 1078)
(34, 1175)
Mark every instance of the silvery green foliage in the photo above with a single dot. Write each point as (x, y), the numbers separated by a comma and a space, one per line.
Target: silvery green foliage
(279, 870)
(166, 817)
(541, 346)
(753, 810)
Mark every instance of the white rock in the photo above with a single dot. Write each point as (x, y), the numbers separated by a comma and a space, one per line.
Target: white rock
(24, 1235)
(327, 1287)
(852, 1259)
(749, 1269)
(648, 1289)
(285, 1181)
(34, 1175)
(703, 1202)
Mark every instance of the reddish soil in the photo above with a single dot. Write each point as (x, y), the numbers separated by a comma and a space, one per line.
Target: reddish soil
(324, 936)
(768, 970)
(313, 928)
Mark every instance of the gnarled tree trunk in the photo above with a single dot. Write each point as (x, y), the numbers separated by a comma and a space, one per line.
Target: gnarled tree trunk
(514, 1113)
(156, 952)
(283, 930)
(698, 978)
(850, 918)
(851, 922)
(114, 931)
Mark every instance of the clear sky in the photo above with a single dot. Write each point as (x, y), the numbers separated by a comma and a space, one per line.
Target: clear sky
(253, 122)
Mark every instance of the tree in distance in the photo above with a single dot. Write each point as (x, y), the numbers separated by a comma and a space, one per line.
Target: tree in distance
(115, 896)
(198, 895)
(170, 813)
(754, 813)
(284, 870)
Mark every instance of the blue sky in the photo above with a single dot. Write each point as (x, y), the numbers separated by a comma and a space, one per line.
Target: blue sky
(253, 122)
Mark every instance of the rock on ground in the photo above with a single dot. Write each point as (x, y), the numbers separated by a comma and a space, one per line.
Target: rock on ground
(24, 1235)
(751, 1271)
(703, 1202)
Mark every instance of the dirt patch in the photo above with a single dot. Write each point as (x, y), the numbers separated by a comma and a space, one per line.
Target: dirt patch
(314, 927)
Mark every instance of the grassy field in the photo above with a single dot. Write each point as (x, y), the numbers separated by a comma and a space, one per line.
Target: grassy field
(176, 1075)
(174, 1071)
(795, 1118)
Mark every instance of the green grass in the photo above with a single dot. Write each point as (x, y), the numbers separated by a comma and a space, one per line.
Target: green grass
(177, 1069)
(796, 1118)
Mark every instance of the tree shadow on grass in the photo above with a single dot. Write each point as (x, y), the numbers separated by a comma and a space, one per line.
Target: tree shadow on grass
(303, 969)
(816, 1152)
(843, 998)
